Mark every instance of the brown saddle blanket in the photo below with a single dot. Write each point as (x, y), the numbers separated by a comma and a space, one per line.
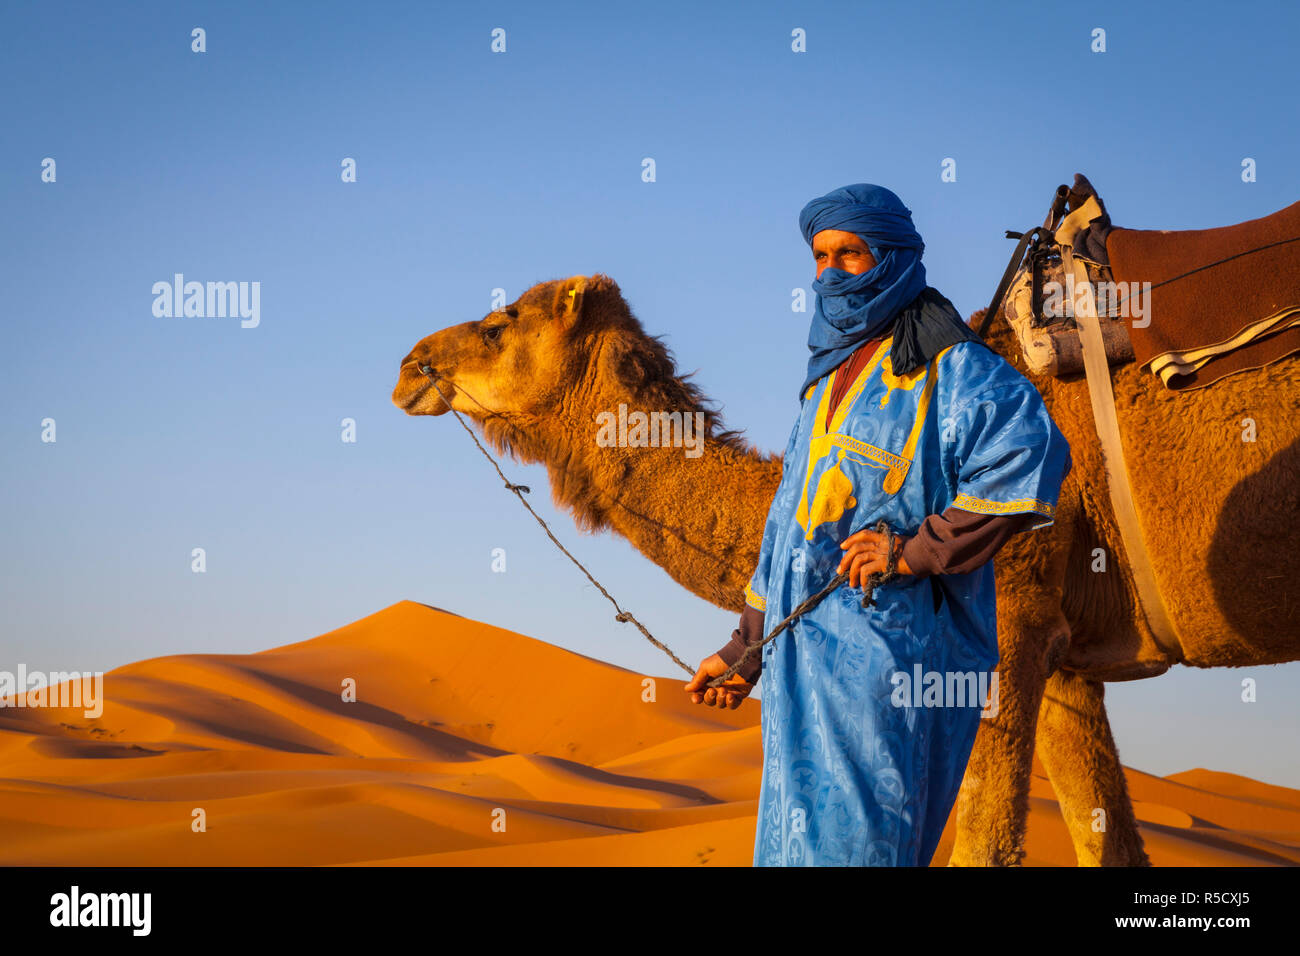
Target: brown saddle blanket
(1226, 316)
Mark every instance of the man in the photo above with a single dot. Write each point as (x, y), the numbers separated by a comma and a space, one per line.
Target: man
(908, 417)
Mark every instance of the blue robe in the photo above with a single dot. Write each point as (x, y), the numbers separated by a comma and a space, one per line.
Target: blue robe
(861, 767)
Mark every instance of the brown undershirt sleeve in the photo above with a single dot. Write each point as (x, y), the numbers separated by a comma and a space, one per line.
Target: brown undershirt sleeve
(958, 542)
(749, 632)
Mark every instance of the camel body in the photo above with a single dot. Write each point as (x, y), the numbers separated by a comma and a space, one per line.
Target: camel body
(1216, 478)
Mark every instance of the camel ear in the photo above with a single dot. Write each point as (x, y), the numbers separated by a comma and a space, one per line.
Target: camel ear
(568, 300)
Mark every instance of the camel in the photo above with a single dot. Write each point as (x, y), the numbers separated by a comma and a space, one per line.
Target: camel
(534, 375)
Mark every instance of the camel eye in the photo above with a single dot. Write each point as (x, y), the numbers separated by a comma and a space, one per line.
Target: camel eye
(492, 333)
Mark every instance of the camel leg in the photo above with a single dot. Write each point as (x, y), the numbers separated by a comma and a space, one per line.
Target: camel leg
(993, 803)
(1079, 754)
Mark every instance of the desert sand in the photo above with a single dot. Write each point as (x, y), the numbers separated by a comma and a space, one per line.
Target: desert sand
(458, 725)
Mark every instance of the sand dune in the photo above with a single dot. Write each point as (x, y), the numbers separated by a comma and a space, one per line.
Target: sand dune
(457, 724)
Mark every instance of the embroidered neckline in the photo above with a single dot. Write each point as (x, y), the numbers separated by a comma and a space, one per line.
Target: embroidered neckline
(834, 493)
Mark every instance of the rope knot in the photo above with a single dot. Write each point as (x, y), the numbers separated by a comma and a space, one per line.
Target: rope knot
(876, 578)
(622, 617)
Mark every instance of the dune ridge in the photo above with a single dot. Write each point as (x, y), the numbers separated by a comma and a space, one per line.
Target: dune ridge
(456, 725)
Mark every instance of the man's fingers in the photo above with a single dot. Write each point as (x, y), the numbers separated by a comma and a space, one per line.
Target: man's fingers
(851, 540)
(697, 682)
(862, 537)
(864, 542)
(849, 556)
(863, 565)
(859, 537)
(701, 693)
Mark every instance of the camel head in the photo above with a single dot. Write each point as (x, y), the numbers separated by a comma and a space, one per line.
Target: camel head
(499, 359)
(546, 361)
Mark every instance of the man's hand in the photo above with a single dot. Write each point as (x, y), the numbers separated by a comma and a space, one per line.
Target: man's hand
(865, 553)
(729, 694)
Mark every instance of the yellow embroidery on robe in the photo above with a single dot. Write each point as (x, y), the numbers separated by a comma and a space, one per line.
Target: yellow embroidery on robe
(834, 493)
(894, 480)
(834, 497)
(985, 506)
(891, 381)
(839, 490)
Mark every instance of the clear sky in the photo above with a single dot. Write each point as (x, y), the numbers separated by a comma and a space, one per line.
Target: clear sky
(478, 170)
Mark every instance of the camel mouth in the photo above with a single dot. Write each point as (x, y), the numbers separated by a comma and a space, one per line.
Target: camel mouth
(413, 387)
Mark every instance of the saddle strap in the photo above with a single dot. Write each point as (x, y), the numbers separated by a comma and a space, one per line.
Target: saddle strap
(1103, 411)
(1005, 283)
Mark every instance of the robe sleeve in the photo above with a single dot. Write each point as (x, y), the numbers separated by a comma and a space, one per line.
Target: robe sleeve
(1005, 453)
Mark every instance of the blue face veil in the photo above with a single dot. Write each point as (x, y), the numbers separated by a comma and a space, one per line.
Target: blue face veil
(852, 309)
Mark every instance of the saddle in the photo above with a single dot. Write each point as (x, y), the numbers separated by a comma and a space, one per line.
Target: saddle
(1194, 306)
(1221, 300)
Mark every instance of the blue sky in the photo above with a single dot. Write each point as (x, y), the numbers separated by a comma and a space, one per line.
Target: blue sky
(478, 170)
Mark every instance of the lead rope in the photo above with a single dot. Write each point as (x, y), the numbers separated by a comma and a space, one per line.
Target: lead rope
(873, 580)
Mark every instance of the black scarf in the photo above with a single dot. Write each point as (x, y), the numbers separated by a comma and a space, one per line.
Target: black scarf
(924, 328)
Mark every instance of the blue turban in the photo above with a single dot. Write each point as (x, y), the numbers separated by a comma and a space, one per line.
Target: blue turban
(852, 309)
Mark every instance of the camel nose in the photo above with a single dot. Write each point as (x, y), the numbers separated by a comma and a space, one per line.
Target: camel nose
(421, 365)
